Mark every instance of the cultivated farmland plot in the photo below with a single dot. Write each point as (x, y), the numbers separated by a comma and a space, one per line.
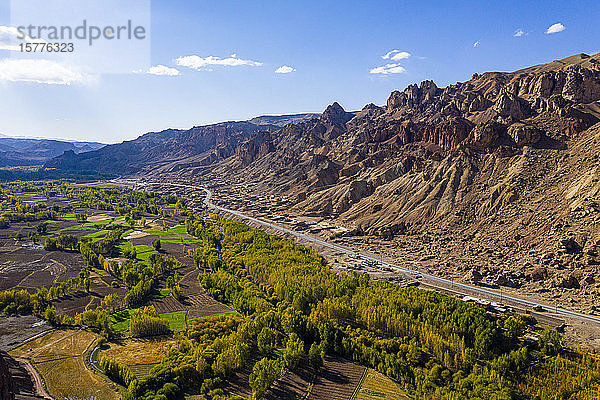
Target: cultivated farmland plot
(133, 352)
(60, 356)
(189, 283)
(16, 329)
(337, 380)
(202, 305)
(375, 386)
(166, 305)
(141, 370)
(293, 386)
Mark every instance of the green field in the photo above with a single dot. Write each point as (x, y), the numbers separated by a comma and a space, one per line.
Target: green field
(98, 233)
(175, 230)
(119, 321)
(176, 320)
(96, 223)
(143, 251)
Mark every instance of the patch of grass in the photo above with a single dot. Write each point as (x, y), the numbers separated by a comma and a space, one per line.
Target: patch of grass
(125, 245)
(99, 233)
(68, 216)
(176, 320)
(96, 223)
(175, 230)
(186, 240)
(82, 227)
(119, 321)
(144, 252)
(159, 294)
(155, 232)
(232, 313)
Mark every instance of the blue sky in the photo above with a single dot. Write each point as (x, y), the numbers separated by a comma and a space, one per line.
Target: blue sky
(332, 47)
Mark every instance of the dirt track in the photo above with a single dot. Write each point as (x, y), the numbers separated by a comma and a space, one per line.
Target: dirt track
(37, 379)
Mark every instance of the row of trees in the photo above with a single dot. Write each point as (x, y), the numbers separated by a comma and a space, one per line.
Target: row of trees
(146, 322)
(116, 371)
(15, 301)
(62, 242)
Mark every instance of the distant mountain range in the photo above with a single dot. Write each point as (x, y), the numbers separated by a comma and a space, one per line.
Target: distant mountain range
(173, 149)
(29, 151)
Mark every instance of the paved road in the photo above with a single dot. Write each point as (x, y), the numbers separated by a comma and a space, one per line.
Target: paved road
(458, 287)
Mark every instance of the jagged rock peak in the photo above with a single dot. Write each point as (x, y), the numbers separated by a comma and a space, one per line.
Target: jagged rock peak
(413, 95)
(335, 114)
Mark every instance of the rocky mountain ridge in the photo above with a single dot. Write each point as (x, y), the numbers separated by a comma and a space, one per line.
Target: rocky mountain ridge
(171, 149)
(27, 152)
(339, 159)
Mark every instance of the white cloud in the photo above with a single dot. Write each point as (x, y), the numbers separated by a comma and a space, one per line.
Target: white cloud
(519, 33)
(39, 71)
(285, 69)
(163, 70)
(10, 38)
(476, 44)
(388, 69)
(199, 63)
(558, 27)
(396, 55)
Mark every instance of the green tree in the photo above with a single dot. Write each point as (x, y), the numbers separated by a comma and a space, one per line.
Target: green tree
(294, 350)
(264, 373)
(315, 356)
(514, 327)
(551, 342)
(266, 340)
(42, 228)
(156, 244)
(50, 315)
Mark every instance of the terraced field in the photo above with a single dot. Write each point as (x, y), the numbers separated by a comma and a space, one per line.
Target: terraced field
(337, 380)
(376, 386)
(202, 305)
(141, 370)
(139, 351)
(60, 358)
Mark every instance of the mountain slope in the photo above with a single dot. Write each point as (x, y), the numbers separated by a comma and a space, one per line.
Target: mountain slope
(426, 145)
(25, 152)
(171, 149)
